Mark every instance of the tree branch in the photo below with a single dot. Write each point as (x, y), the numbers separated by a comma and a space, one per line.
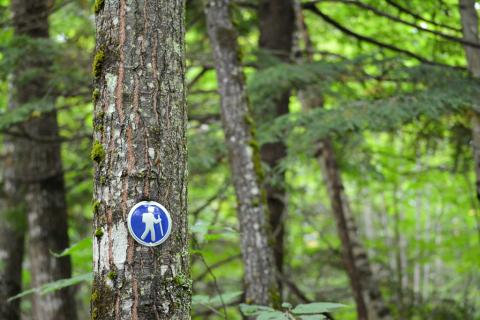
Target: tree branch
(217, 265)
(410, 24)
(416, 16)
(311, 6)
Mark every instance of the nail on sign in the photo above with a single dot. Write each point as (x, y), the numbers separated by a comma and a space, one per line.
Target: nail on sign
(149, 223)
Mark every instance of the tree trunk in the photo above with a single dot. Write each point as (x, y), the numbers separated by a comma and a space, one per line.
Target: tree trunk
(469, 20)
(13, 215)
(367, 295)
(277, 24)
(42, 172)
(12, 230)
(260, 284)
(368, 298)
(140, 154)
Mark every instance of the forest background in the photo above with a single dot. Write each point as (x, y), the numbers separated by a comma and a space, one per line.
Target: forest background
(391, 92)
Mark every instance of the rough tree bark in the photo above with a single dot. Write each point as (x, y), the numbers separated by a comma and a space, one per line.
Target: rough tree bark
(260, 283)
(365, 289)
(42, 172)
(140, 154)
(469, 20)
(277, 25)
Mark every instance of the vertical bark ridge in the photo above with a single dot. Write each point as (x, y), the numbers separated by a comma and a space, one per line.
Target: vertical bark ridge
(277, 25)
(140, 154)
(42, 173)
(365, 289)
(260, 284)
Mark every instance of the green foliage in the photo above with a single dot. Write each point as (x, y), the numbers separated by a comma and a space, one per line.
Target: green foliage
(55, 285)
(308, 311)
(401, 132)
(451, 94)
(24, 112)
(216, 301)
(76, 247)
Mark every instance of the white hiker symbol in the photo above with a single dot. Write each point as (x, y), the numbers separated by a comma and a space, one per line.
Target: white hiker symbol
(149, 220)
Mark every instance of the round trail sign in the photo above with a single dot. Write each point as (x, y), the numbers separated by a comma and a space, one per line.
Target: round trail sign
(149, 223)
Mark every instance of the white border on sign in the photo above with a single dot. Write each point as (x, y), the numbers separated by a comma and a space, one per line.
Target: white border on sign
(151, 203)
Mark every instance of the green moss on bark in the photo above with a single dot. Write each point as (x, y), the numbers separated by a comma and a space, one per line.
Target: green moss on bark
(275, 298)
(183, 281)
(102, 300)
(98, 63)
(98, 154)
(112, 275)
(96, 206)
(98, 6)
(99, 232)
(95, 95)
(94, 296)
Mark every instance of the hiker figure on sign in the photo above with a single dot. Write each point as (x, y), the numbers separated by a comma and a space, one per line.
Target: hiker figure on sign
(149, 223)
(149, 219)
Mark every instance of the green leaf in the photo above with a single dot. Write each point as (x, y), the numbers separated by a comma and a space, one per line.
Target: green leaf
(313, 317)
(80, 245)
(316, 307)
(226, 297)
(200, 300)
(55, 285)
(217, 300)
(253, 310)
(287, 305)
(272, 315)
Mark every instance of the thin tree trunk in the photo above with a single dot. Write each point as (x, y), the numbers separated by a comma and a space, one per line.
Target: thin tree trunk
(277, 25)
(260, 284)
(42, 172)
(13, 215)
(140, 154)
(12, 230)
(398, 244)
(370, 305)
(367, 295)
(469, 20)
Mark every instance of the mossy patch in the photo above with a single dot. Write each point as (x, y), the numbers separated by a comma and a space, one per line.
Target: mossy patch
(112, 275)
(253, 143)
(98, 63)
(99, 232)
(98, 6)
(96, 206)
(275, 298)
(94, 296)
(97, 154)
(257, 162)
(95, 95)
(102, 299)
(183, 281)
(94, 314)
(100, 116)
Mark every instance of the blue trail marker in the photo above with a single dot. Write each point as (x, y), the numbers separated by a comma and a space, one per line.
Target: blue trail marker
(149, 223)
